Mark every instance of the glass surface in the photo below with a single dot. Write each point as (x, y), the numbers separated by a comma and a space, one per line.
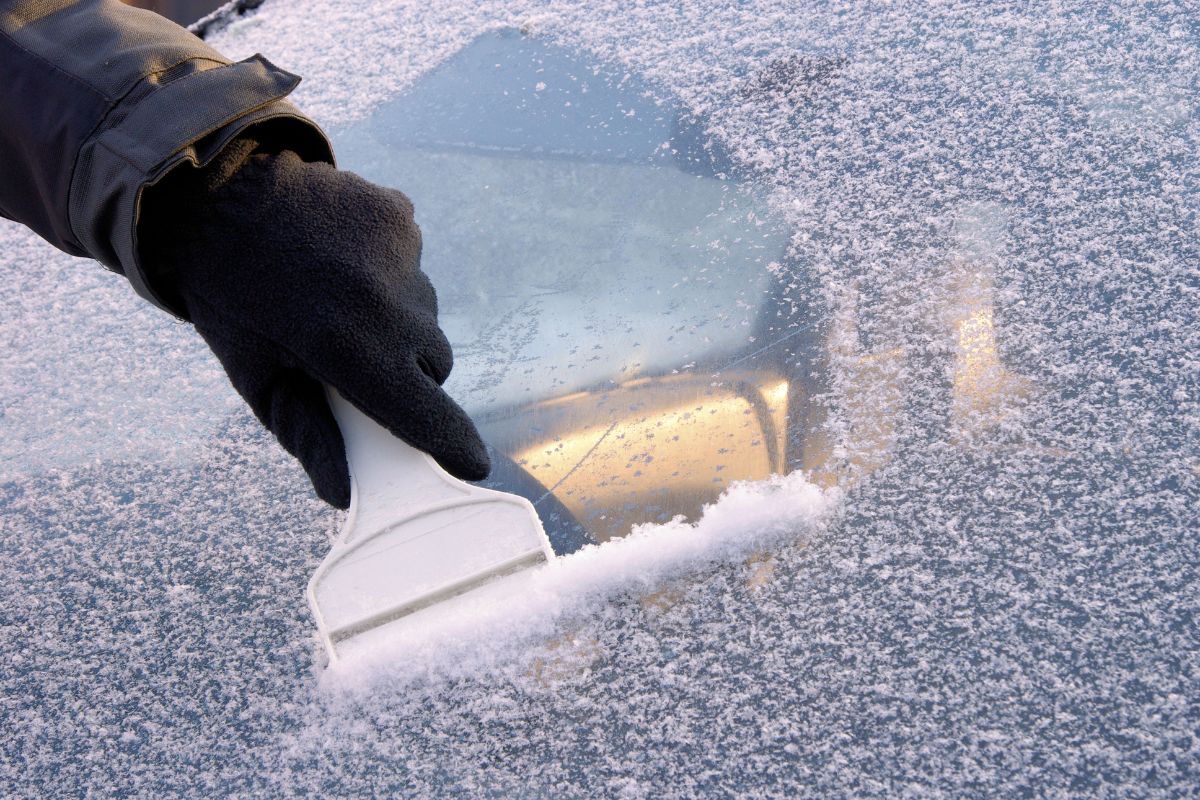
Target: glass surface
(601, 279)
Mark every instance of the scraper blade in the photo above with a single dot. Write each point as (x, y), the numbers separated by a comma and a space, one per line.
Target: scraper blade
(415, 538)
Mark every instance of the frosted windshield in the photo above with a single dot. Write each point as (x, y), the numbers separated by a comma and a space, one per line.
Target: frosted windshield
(997, 204)
(574, 227)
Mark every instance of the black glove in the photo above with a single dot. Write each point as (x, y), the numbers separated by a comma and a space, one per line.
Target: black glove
(298, 275)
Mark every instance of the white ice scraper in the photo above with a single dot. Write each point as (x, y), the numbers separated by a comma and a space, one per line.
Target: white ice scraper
(415, 541)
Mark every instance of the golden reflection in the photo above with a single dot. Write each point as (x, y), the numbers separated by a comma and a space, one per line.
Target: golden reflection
(697, 448)
(983, 387)
(983, 391)
(776, 397)
(651, 449)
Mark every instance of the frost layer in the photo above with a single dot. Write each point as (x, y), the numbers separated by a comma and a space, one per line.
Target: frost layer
(999, 202)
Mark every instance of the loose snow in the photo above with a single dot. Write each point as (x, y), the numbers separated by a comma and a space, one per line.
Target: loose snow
(747, 522)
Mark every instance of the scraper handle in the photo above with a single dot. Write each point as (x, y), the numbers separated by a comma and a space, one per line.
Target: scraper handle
(386, 473)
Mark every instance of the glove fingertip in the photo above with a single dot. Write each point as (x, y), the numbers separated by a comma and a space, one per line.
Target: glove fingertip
(332, 489)
(472, 465)
(466, 457)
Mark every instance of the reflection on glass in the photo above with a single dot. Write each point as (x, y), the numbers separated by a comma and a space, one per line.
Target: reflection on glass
(603, 280)
(983, 390)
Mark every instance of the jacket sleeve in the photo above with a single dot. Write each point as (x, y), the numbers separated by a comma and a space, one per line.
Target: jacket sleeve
(99, 100)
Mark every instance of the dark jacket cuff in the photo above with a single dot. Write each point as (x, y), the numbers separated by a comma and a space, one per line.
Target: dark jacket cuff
(162, 125)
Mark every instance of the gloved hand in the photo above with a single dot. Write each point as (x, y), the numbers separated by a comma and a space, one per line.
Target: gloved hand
(297, 275)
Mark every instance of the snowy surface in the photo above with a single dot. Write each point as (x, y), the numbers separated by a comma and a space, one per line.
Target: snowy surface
(999, 203)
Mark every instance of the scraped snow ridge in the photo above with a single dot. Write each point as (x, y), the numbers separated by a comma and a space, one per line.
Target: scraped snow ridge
(478, 635)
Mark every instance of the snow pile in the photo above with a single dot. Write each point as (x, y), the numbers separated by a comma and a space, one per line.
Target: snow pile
(480, 636)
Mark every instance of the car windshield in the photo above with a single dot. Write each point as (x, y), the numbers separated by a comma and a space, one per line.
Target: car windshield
(859, 337)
